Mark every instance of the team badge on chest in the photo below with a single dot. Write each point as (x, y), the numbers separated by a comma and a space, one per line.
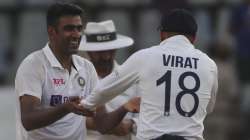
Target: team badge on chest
(81, 82)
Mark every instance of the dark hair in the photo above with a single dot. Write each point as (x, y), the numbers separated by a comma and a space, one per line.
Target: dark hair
(179, 21)
(58, 10)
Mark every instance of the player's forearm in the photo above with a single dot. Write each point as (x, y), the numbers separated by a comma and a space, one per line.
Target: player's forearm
(108, 121)
(41, 117)
(123, 129)
(108, 88)
(96, 99)
(90, 123)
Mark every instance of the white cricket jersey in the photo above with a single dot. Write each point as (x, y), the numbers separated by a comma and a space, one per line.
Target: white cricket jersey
(41, 75)
(113, 105)
(178, 86)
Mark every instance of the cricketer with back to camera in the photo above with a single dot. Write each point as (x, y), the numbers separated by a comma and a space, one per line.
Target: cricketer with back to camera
(177, 82)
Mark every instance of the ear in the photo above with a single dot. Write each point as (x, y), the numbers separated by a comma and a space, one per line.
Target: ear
(51, 31)
(163, 36)
(192, 39)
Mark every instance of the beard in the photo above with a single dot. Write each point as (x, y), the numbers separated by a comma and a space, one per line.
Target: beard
(70, 48)
(104, 66)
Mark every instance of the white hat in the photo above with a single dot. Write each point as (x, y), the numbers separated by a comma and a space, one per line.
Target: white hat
(100, 36)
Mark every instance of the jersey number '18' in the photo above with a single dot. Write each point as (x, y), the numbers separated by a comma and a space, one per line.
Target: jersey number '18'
(167, 79)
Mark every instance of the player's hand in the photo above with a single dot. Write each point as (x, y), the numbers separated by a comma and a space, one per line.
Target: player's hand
(133, 105)
(124, 128)
(73, 106)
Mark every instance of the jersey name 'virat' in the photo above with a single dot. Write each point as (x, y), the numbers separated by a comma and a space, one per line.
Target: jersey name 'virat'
(179, 61)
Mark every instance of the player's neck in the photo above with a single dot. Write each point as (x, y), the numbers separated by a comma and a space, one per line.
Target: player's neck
(64, 60)
(165, 35)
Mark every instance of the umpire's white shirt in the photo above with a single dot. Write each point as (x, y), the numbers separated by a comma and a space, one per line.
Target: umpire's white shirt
(41, 75)
(178, 84)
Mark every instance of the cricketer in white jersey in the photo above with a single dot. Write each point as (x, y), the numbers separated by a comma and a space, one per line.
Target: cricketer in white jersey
(50, 83)
(42, 76)
(177, 82)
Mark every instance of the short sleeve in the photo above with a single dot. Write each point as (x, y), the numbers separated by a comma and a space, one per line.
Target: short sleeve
(214, 90)
(29, 78)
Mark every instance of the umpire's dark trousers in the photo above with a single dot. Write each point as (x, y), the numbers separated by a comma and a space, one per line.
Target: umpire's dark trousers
(169, 137)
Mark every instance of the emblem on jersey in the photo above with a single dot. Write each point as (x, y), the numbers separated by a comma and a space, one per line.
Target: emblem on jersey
(81, 81)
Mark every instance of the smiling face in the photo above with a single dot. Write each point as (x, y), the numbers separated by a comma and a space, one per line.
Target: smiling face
(66, 35)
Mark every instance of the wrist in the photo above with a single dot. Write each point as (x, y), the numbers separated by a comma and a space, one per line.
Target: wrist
(125, 108)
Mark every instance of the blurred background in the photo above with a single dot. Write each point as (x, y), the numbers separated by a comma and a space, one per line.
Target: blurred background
(224, 34)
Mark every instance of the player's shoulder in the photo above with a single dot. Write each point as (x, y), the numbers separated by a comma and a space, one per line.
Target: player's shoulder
(32, 62)
(33, 59)
(145, 52)
(206, 59)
